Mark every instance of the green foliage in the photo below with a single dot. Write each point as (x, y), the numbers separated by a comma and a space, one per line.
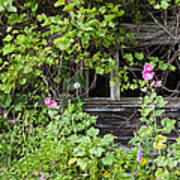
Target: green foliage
(37, 46)
(152, 138)
(42, 51)
(68, 146)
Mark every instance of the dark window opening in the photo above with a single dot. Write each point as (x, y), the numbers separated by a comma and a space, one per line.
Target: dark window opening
(100, 88)
(170, 79)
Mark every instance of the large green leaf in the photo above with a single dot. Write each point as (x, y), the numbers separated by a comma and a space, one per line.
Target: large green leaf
(108, 160)
(8, 48)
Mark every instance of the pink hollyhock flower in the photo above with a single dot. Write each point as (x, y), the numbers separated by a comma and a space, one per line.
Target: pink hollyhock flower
(47, 100)
(147, 75)
(52, 104)
(148, 67)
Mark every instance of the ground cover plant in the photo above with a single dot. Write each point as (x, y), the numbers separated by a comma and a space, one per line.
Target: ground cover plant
(70, 147)
(46, 48)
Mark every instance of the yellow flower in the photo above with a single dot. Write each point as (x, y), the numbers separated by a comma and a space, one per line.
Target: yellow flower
(178, 172)
(159, 142)
(151, 177)
(143, 161)
(32, 97)
(117, 170)
(106, 174)
(73, 161)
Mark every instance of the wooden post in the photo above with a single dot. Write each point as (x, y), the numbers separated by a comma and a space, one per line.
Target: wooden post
(81, 74)
(114, 90)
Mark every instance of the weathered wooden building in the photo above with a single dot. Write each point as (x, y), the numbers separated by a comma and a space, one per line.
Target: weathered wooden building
(156, 35)
(118, 112)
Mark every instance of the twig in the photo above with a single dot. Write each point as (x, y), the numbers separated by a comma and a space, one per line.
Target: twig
(162, 27)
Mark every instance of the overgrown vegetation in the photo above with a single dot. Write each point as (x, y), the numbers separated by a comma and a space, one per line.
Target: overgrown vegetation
(46, 49)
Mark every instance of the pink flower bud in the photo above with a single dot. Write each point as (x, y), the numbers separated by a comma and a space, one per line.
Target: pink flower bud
(148, 67)
(47, 100)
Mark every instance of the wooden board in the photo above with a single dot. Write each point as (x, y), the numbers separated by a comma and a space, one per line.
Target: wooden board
(121, 118)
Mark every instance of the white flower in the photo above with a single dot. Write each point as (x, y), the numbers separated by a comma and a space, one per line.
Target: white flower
(76, 85)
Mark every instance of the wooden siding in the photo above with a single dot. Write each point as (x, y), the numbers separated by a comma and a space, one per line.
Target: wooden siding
(121, 118)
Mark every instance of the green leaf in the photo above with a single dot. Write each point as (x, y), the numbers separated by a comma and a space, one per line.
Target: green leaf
(155, 59)
(161, 161)
(130, 35)
(102, 9)
(57, 79)
(21, 39)
(157, 6)
(14, 18)
(99, 70)
(59, 3)
(97, 151)
(108, 160)
(109, 18)
(172, 68)
(133, 86)
(8, 38)
(145, 131)
(164, 4)
(22, 81)
(79, 151)
(121, 12)
(162, 66)
(159, 112)
(69, 7)
(93, 132)
(63, 43)
(12, 9)
(87, 29)
(168, 125)
(139, 56)
(7, 101)
(8, 48)
(93, 22)
(83, 163)
(108, 139)
(112, 83)
(162, 173)
(129, 57)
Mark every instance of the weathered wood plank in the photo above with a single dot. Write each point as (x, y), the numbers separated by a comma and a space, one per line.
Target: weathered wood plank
(148, 34)
(121, 118)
